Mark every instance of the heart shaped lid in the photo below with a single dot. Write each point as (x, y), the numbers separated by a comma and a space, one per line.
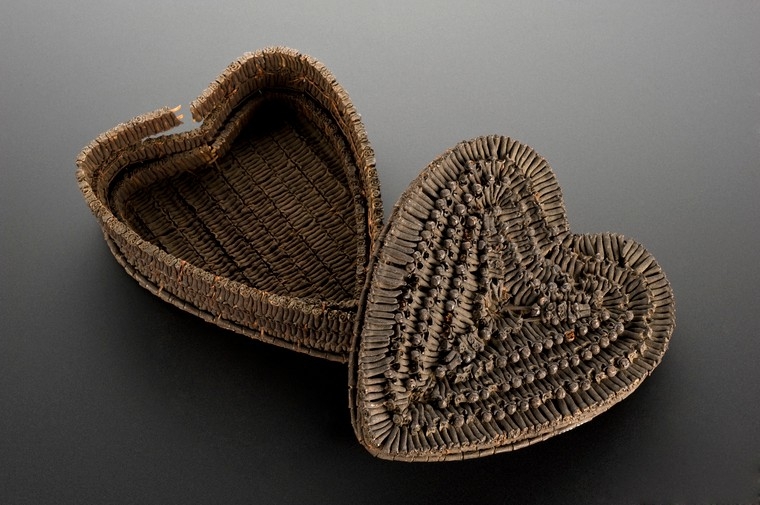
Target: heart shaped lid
(486, 325)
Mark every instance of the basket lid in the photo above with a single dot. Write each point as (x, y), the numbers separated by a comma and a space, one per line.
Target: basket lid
(485, 324)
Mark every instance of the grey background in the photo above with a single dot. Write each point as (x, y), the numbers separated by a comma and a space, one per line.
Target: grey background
(649, 113)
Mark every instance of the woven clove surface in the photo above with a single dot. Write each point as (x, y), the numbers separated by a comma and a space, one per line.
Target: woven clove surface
(261, 220)
(275, 211)
(488, 325)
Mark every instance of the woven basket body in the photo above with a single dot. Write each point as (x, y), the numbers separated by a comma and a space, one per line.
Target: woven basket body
(486, 324)
(260, 220)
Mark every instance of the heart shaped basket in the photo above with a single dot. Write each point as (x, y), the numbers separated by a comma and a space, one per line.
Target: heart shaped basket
(261, 220)
(474, 322)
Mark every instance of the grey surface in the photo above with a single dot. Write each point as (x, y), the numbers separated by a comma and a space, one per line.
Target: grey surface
(649, 113)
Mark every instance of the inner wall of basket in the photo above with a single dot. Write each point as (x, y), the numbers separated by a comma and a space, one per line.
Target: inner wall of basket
(275, 212)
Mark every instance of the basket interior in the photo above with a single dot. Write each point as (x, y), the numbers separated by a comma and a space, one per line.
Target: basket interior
(275, 210)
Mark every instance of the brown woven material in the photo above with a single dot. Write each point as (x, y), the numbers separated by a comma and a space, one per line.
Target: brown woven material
(487, 325)
(474, 323)
(260, 220)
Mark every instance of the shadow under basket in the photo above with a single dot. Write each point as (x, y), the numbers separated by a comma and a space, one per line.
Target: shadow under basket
(262, 219)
